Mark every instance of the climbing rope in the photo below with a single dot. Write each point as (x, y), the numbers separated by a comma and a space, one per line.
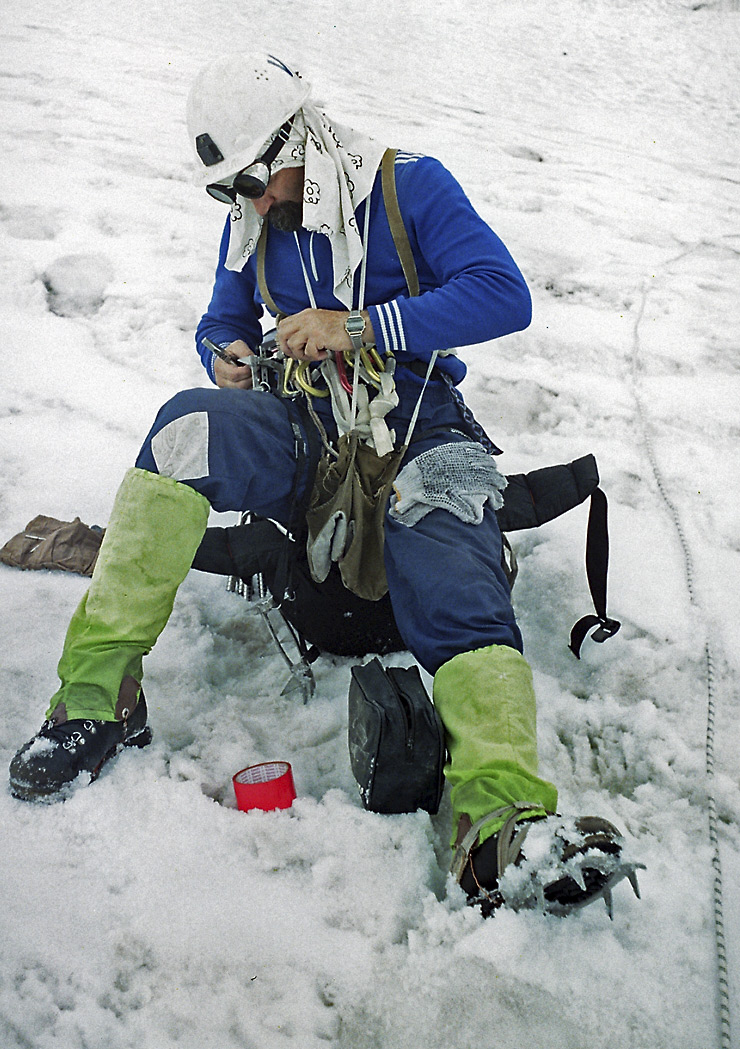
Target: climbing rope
(719, 926)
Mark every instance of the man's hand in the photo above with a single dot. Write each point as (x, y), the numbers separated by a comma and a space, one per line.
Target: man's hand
(312, 334)
(234, 376)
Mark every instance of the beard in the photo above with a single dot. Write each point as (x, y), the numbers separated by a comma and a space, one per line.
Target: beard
(286, 216)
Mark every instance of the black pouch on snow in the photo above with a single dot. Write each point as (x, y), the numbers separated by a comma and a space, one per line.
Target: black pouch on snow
(396, 740)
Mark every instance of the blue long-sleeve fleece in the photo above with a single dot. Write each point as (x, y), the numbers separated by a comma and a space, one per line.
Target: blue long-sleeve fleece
(470, 287)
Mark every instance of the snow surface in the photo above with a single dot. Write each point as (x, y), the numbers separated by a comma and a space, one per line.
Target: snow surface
(600, 140)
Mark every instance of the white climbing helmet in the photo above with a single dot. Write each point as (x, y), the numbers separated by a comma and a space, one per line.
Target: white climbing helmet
(236, 103)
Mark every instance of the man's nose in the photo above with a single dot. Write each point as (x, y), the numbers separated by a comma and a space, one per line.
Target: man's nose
(262, 204)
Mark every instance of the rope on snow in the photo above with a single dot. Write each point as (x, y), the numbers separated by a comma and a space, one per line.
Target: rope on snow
(719, 925)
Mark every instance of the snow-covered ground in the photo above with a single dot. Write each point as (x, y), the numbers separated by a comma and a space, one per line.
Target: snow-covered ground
(600, 140)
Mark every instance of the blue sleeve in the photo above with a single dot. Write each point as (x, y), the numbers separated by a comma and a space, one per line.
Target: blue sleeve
(232, 312)
(476, 291)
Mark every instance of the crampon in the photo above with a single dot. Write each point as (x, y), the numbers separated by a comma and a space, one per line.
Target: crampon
(554, 864)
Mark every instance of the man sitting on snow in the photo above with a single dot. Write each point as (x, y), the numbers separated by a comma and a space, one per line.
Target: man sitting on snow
(327, 264)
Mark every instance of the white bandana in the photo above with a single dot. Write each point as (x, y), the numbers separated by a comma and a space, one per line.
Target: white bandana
(340, 169)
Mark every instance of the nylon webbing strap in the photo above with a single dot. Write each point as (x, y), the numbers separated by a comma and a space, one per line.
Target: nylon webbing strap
(261, 281)
(597, 566)
(395, 221)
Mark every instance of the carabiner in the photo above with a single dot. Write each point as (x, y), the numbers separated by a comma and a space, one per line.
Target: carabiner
(341, 369)
(372, 372)
(301, 380)
(287, 372)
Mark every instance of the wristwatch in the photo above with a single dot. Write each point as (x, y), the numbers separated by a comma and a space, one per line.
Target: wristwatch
(355, 326)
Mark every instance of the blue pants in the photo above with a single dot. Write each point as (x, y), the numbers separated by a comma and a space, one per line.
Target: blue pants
(445, 577)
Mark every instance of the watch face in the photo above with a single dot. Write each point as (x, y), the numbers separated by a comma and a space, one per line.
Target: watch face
(355, 325)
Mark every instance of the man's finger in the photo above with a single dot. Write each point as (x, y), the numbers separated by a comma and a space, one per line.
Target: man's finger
(288, 326)
(295, 345)
(313, 351)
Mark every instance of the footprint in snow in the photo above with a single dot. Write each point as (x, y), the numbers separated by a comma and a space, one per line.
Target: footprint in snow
(26, 223)
(76, 284)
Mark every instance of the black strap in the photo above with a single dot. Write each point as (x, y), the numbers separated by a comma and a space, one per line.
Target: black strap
(597, 565)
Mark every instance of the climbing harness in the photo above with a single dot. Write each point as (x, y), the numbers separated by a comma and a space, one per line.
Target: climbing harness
(353, 480)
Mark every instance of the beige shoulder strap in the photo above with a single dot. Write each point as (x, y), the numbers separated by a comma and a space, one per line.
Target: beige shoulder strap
(395, 221)
(261, 281)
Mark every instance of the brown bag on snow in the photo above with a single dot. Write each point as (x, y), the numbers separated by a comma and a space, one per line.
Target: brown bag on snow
(69, 546)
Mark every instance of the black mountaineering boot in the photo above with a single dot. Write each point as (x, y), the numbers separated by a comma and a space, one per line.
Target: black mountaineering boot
(45, 768)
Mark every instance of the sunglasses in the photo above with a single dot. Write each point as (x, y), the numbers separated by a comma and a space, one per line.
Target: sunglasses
(252, 181)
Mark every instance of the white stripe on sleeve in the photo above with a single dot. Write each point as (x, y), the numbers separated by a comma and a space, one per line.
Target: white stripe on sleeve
(399, 323)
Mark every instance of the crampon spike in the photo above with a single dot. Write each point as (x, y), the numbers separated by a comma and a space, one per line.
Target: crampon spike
(632, 878)
(609, 903)
(541, 902)
(301, 679)
(577, 875)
